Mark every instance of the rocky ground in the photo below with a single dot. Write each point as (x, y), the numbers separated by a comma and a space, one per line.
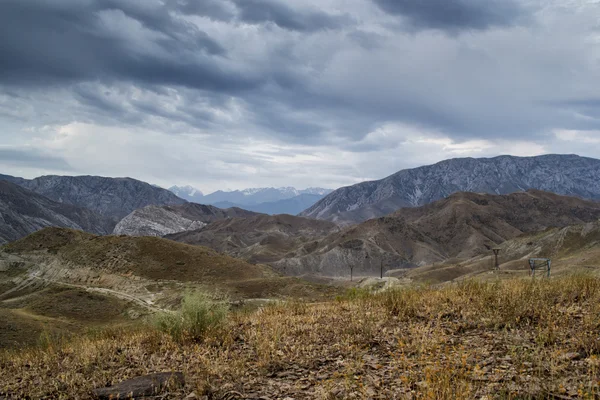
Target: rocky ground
(510, 339)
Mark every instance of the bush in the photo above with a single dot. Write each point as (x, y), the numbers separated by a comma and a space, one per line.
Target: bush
(198, 314)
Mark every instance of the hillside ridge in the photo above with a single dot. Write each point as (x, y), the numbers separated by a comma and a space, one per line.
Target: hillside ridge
(561, 174)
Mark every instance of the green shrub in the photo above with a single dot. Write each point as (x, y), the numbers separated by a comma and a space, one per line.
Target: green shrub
(198, 314)
(355, 293)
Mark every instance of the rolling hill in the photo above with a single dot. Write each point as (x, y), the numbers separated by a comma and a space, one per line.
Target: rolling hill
(573, 249)
(459, 227)
(64, 281)
(261, 238)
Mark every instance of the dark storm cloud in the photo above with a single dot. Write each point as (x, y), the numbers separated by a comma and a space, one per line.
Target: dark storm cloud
(97, 100)
(324, 77)
(261, 11)
(31, 157)
(216, 9)
(454, 15)
(66, 40)
(587, 106)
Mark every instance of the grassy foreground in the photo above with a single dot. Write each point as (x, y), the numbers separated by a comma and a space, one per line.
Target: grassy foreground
(516, 339)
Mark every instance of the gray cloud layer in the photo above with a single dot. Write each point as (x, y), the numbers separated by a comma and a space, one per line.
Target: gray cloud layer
(71, 40)
(257, 11)
(454, 15)
(312, 79)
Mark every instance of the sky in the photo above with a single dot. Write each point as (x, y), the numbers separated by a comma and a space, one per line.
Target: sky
(231, 94)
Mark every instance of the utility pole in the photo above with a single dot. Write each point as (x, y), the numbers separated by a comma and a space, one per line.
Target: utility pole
(496, 250)
(382, 268)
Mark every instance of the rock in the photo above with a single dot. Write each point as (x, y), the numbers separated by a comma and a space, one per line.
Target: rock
(169, 220)
(571, 356)
(147, 385)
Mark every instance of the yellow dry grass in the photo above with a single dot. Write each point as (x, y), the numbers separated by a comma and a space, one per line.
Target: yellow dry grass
(511, 339)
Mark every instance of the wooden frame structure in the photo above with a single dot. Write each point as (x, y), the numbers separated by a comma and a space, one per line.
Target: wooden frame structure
(541, 264)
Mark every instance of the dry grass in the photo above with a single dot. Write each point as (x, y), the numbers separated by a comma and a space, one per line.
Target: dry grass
(517, 339)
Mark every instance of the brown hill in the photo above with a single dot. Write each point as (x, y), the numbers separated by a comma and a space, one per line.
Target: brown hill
(460, 226)
(465, 223)
(145, 257)
(572, 249)
(63, 280)
(261, 238)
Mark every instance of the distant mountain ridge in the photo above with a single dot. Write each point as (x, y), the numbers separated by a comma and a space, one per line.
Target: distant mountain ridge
(562, 174)
(284, 200)
(23, 212)
(113, 198)
(251, 196)
(292, 206)
(188, 193)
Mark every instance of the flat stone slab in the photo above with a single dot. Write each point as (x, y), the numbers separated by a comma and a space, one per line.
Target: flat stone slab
(140, 387)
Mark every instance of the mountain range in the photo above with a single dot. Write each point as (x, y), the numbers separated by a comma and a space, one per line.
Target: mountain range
(125, 206)
(291, 206)
(23, 212)
(562, 174)
(188, 193)
(89, 203)
(113, 198)
(285, 200)
(458, 227)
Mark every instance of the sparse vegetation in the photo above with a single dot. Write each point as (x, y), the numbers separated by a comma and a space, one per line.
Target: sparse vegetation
(511, 339)
(198, 315)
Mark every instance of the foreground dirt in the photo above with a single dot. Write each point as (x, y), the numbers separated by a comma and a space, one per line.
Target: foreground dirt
(509, 339)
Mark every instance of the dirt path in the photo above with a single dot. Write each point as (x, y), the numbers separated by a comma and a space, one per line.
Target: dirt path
(120, 295)
(34, 279)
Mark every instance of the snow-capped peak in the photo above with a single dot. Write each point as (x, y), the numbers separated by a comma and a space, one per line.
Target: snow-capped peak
(185, 191)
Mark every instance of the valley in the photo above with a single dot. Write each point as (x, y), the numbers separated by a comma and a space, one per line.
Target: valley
(310, 307)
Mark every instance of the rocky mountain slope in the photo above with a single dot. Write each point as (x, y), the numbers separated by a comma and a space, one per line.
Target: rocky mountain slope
(164, 220)
(23, 212)
(261, 238)
(113, 198)
(461, 226)
(12, 179)
(562, 174)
